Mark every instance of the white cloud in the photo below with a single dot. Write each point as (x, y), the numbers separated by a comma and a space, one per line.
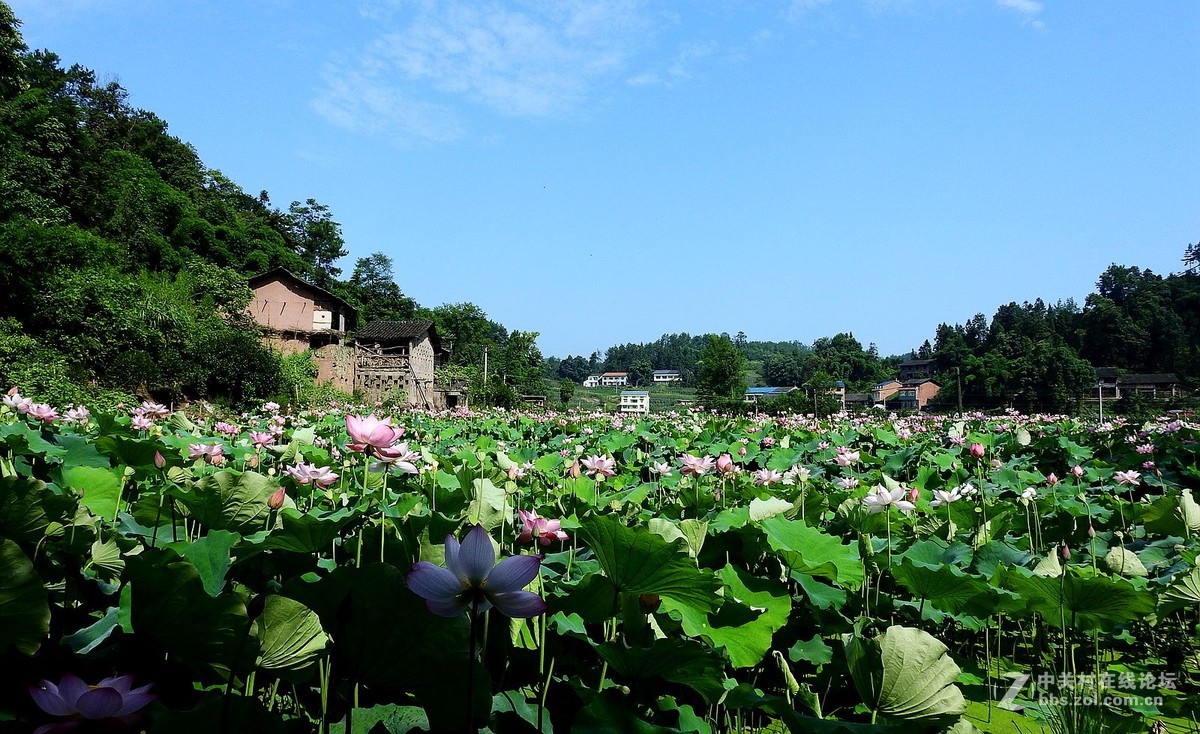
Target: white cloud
(533, 58)
(1030, 9)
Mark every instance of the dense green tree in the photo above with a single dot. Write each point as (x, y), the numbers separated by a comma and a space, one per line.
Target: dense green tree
(373, 288)
(720, 378)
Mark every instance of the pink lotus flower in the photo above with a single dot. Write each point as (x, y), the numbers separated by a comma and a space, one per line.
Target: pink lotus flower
(159, 460)
(977, 450)
(42, 412)
(262, 439)
(399, 456)
(112, 702)
(275, 501)
(767, 477)
(544, 529)
(79, 414)
(725, 465)
(1051, 480)
(212, 453)
(140, 423)
(1066, 552)
(322, 476)
(472, 579)
(14, 400)
(1077, 471)
(597, 467)
(370, 432)
(846, 458)
(1128, 478)
(573, 471)
(847, 482)
(881, 498)
(154, 410)
(695, 465)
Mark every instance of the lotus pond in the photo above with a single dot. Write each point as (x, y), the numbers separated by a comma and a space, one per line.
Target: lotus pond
(339, 571)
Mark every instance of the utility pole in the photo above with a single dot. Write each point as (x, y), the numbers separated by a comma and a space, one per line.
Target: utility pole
(485, 366)
(958, 380)
(1100, 393)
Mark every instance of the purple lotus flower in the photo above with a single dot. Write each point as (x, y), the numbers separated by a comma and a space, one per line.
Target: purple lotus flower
(113, 700)
(473, 580)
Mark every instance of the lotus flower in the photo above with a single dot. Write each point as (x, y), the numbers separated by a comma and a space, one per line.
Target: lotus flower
(371, 433)
(212, 453)
(399, 456)
(544, 529)
(276, 500)
(695, 465)
(845, 458)
(78, 414)
(944, 497)
(1052, 479)
(661, 468)
(42, 412)
(767, 477)
(322, 476)
(1029, 495)
(141, 423)
(154, 410)
(1077, 471)
(262, 439)
(725, 465)
(14, 400)
(1128, 478)
(598, 467)
(112, 701)
(881, 498)
(977, 450)
(473, 580)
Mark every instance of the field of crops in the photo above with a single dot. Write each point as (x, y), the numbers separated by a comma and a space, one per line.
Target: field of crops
(338, 571)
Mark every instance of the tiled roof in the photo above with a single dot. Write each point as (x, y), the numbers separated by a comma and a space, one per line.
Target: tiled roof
(635, 392)
(615, 374)
(284, 273)
(666, 372)
(1158, 378)
(392, 331)
(917, 381)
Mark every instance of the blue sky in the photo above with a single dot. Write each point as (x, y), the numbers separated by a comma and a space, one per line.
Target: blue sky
(604, 171)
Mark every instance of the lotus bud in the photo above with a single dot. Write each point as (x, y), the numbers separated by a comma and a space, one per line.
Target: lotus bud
(742, 451)
(1051, 480)
(252, 460)
(1077, 471)
(573, 471)
(159, 461)
(1066, 552)
(649, 603)
(275, 501)
(913, 494)
(977, 450)
(1091, 530)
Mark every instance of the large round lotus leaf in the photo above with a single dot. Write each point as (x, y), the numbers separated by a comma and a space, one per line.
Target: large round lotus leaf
(229, 500)
(1184, 591)
(290, 636)
(1124, 562)
(638, 561)
(806, 549)
(947, 588)
(906, 674)
(24, 612)
(1084, 602)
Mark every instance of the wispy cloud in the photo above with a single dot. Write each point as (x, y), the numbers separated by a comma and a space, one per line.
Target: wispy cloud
(433, 61)
(1030, 9)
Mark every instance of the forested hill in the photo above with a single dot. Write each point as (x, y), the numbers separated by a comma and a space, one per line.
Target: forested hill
(124, 258)
(1033, 356)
